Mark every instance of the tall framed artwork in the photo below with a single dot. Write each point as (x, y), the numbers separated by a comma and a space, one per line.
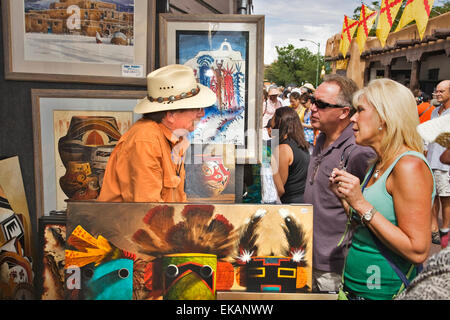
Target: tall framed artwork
(17, 252)
(50, 264)
(75, 131)
(226, 53)
(105, 41)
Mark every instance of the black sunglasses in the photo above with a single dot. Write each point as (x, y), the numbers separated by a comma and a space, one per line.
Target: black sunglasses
(323, 105)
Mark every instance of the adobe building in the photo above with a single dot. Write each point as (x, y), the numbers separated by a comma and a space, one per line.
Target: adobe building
(95, 16)
(405, 58)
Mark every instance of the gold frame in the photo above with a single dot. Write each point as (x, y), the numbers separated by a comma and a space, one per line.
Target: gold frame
(68, 72)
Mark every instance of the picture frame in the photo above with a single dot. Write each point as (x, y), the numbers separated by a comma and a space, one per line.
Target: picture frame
(226, 52)
(50, 265)
(75, 44)
(46, 105)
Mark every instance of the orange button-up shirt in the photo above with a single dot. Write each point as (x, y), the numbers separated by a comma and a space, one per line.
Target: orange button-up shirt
(146, 166)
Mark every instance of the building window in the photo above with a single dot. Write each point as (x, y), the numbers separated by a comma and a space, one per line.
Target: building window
(433, 74)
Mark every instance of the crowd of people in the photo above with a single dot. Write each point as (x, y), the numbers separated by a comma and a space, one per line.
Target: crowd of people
(376, 176)
(376, 184)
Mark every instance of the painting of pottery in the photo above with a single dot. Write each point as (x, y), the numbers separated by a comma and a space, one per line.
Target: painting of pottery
(210, 174)
(187, 251)
(16, 255)
(83, 142)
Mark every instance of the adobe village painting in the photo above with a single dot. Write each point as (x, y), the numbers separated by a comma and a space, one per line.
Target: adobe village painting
(79, 31)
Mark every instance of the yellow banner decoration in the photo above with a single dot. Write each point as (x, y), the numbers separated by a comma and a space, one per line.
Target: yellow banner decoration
(348, 31)
(418, 10)
(366, 21)
(388, 12)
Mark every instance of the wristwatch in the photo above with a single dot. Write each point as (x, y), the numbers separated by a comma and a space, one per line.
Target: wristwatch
(368, 215)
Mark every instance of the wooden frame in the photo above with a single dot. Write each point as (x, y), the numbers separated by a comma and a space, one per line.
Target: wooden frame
(187, 39)
(79, 59)
(45, 103)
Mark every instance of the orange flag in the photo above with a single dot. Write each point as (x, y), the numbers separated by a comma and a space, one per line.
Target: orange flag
(348, 30)
(366, 21)
(388, 12)
(418, 10)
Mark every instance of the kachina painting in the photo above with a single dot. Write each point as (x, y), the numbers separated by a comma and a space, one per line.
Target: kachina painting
(79, 31)
(220, 61)
(153, 251)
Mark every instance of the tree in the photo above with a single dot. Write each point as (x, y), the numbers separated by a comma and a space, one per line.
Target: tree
(293, 65)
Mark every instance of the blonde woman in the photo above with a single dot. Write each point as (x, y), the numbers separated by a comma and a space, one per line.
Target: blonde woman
(395, 201)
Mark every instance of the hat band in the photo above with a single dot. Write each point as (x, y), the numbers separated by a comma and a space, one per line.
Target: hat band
(173, 98)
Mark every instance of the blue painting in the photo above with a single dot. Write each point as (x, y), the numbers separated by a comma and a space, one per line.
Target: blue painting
(220, 62)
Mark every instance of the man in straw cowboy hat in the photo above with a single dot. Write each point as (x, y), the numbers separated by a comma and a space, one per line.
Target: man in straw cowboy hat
(147, 163)
(440, 169)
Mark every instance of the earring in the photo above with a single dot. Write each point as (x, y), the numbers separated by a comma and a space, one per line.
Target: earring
(380, 128)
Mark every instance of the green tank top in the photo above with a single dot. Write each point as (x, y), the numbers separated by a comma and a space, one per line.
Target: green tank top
(367, 273)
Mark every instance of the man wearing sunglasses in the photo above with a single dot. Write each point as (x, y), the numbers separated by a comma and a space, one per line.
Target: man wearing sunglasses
(331, 109)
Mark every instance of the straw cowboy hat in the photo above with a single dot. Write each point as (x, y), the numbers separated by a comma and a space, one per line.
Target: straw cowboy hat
(309, 86)
(174, 87)
(436, 130)
(274, 91)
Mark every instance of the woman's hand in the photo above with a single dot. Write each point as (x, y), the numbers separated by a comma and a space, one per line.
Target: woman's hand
(347, 187)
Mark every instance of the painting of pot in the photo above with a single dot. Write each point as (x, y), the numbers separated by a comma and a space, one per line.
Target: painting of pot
(210, 177)
(84, 152)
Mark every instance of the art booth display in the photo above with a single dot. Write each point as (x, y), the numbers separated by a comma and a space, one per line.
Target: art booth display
(152, 251)
(225, 52)
(106, 42)
(75, 132)
(16, 254)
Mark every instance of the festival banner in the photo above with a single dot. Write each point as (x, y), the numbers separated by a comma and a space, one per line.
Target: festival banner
(366, 21)
(416, 10)
(388, 12)
(348, 31)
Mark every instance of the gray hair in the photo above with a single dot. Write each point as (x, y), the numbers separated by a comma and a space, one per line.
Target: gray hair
(347, 88)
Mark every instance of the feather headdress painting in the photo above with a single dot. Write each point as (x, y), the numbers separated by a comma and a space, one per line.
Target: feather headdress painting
(200, 231)
(236, 234)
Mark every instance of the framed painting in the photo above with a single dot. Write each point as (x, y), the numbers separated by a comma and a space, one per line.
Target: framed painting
(16, 240)
(52, 244)
(226, 53)
(175, 251)
(75, 131)
(107, 41)
(210, 174)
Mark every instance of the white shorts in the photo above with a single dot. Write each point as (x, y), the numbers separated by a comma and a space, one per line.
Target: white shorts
(442, 179)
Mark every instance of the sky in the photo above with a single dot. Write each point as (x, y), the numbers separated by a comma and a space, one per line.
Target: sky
(316, 20)
(288, 21)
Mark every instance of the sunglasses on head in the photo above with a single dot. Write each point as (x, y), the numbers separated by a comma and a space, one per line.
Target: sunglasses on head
(323, 105)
